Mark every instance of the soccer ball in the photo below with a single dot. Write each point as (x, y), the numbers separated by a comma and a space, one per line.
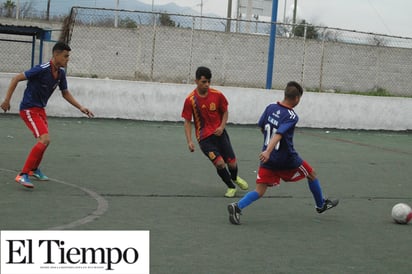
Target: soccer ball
(401, 213)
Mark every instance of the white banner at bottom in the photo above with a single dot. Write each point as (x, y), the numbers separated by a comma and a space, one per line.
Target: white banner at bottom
(68, 252)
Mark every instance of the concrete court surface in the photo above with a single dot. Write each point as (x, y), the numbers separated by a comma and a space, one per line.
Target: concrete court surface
(135, 175)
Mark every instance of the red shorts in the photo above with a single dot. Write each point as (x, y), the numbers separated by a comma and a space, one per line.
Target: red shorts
(272, 177)
(36, 120)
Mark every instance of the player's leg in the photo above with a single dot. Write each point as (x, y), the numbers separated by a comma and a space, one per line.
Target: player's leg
(43, 143)
(322, 204)
(264, 179)
(36, 121)
(225, 176)
(210, 149)
(228, 154)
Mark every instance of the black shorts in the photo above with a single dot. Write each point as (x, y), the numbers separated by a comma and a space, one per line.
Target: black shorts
(215, 147)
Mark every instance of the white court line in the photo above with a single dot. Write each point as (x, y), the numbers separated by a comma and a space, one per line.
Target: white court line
(102, 205)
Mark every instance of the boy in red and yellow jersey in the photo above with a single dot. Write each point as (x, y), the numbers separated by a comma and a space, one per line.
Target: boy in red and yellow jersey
(209, 109)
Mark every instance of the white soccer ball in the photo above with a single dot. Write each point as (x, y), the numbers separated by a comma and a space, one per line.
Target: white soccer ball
(401, 213)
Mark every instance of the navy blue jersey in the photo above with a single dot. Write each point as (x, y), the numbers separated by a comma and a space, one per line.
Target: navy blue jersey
(40, 85)
(282, 120)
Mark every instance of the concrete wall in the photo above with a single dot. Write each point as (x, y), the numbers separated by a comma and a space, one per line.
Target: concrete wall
(163, 102)
(165, 54)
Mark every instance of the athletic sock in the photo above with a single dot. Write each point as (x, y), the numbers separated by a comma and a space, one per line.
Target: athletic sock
(224, 174)
(316, 190)
(249, 198)
(34, 158)
(233, 173)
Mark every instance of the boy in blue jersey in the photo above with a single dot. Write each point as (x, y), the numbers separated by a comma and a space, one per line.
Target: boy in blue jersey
(278, 159)
(42, 80)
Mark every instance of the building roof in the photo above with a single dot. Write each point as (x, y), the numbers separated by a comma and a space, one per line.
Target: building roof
(22, 30)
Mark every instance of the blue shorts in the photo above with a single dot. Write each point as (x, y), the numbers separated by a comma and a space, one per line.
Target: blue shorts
(218, 147)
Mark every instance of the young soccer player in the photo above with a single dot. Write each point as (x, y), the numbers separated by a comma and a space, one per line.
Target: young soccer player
(278, 159)
(42, 80)
(209, 109)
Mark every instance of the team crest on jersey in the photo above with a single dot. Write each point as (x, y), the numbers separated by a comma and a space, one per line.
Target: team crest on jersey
(276, 114)
(212, 107)
(212, 155)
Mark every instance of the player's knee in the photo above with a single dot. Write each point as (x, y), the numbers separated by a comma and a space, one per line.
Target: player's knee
(44, 139)
(220, 164)
(232, 164)
(312, 176)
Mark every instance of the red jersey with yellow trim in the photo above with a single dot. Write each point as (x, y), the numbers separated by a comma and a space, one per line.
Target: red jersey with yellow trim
(207, 111)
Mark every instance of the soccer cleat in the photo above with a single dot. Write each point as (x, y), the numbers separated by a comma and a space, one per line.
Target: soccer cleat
(241, 183)
(24, 180)
(327, 204)
(230, 193)
(234, 213)
(38, 175)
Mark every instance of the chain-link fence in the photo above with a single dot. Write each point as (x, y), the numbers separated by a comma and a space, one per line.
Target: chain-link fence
(161, 47)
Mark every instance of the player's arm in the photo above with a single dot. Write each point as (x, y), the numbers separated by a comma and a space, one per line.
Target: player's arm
(188, 134)
(265, 155)
(5, 105)
(69, 98)
(222, 126)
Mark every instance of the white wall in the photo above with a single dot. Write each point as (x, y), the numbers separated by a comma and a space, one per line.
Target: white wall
(163, 102)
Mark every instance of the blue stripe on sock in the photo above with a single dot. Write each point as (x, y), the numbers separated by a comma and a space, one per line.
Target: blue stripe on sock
(249, 198)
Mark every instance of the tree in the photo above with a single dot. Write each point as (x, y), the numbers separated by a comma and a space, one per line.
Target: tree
(128, 23)
(311, 31)
(165, 20)
(9, 6)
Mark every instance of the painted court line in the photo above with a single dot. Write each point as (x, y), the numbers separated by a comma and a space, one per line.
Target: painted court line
(102, 205)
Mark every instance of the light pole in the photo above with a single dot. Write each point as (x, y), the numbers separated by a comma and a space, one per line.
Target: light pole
(48, 10)
(116, 17)
(201, 13)
(295, 7)
(229, 15)
(17, 10)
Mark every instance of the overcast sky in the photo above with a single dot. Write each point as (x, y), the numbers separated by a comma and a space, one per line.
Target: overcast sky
(392, 17)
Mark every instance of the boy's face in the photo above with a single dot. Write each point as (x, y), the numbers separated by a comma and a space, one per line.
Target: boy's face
(203, 85)
(61, 58)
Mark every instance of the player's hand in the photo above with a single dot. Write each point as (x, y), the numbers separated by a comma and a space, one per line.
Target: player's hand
(218, 131)
(191, 147)
(264, 156)
(5, 106)
(87, 112)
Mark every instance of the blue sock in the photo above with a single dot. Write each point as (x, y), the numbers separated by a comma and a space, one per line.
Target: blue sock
(316, 190)
(249, 198)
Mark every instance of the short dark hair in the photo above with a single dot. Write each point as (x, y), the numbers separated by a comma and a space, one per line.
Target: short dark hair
(203, 71)
(293, 89)
(61, 46)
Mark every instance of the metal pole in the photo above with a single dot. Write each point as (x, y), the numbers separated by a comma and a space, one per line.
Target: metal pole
(33, 48)
(116, 17)
(48, 10)
(229, 14)
(201, 13)
(272, 40)
(295, 7)
(17, 9)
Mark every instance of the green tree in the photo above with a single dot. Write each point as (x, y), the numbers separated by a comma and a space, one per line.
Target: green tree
(311, 31)
(128, 23)
(9, 6)
(165, 20)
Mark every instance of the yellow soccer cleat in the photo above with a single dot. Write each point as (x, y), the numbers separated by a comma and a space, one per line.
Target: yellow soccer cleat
(230, 193)
(241, 183)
